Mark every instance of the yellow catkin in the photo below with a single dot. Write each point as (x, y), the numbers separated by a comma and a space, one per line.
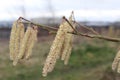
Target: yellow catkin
(118, 68)
(55, 51)
(22, 32)
(68, 49)
(31, 42)
(60, 45)
(12, 40)
(17, 39)
(116, 61)
(23, 46)
(68, 41)
(68, 55)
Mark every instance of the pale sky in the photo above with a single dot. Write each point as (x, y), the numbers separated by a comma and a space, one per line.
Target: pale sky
(90, 10)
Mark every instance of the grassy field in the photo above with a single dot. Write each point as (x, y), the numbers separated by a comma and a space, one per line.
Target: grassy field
(90, 60)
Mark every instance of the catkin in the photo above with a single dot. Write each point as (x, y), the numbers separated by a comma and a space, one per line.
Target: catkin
(23, 46)
(68, 41)
(30, 43)
(18, 38)
(68, 55)
(22, 32)
(61, 47)
(116, 61)
(118, 68)
(55, 51)
(12, 40)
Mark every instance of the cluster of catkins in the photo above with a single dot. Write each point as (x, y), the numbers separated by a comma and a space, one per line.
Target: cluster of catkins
(21, 42)
(61, 47)
(116, 63)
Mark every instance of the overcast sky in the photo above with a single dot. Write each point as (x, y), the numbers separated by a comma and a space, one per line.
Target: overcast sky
(90, 10)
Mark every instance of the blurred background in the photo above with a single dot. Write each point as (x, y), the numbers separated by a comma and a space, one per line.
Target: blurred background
(91, 58)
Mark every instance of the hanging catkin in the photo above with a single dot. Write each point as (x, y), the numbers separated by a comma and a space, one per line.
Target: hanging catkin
(116, 61)
(118, 67)
(22, 32)
(68, 39)
(55, 51)
(18, 38)
(67, 46)
(23, 46)
(66, 60)
(61, 47)
(12, 40)
(31, 42)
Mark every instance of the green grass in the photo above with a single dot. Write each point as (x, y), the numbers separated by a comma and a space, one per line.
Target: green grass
(87, 62)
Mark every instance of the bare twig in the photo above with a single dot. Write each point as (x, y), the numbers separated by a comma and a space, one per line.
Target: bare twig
(97, 36)
(85, 27)
(91, 36)
(43, 26)
(54, 30)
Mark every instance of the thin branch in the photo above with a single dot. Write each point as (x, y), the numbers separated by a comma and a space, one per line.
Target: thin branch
(39, 25)
(91, 36)
(85, 27)
(97, 36)
(54, 30)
